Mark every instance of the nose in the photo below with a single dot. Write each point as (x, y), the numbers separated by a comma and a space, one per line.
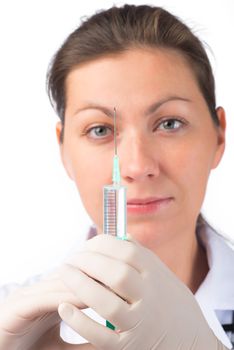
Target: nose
(138, 159)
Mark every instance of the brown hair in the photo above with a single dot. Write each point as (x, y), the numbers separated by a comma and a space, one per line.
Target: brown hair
(119, 29)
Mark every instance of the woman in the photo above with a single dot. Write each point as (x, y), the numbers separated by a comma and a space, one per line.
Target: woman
(159, 288)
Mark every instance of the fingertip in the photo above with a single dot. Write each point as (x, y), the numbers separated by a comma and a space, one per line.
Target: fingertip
(131, 238)
(65, 310)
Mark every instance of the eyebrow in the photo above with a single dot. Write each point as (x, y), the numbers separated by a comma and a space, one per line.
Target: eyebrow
(151, 109)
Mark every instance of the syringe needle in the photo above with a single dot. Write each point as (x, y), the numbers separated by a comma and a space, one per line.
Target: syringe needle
(115, 131)
(116, 171)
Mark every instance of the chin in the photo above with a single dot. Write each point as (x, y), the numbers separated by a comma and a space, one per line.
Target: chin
(149, 236)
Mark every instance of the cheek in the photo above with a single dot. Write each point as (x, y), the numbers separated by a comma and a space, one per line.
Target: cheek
(91, 171)
(192, 164)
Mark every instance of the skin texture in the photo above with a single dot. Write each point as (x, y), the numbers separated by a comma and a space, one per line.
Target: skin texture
(154, 160)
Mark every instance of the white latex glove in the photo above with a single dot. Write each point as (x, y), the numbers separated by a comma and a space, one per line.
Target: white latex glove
(129, 286)
(29, 319)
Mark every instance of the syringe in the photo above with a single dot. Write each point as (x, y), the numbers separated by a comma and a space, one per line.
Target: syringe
(114, 203)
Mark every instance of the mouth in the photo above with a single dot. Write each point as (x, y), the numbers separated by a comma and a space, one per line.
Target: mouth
(147, 205)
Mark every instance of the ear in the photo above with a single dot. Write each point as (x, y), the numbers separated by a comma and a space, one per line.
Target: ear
(59, 130)
(221, 129)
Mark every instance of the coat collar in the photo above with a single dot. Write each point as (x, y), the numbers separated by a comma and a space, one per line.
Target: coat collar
(216, 292)
(218, 285)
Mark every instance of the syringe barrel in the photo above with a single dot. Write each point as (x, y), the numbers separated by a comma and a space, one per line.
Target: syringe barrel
(115, 210)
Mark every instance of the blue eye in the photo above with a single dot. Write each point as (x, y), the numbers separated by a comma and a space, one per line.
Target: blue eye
(100, 131)
(170, 124)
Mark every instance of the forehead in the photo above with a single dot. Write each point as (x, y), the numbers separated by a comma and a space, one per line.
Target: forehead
(135, 74)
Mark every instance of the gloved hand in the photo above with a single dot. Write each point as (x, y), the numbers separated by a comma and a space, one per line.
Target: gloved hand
(129, 286)
(29, 317)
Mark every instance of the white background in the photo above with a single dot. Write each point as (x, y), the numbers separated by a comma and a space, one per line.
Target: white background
(41, 216)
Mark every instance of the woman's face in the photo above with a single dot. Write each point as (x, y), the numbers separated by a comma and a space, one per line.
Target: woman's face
(167, 141)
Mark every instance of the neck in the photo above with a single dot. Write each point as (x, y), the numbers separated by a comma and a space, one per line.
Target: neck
(187, 259)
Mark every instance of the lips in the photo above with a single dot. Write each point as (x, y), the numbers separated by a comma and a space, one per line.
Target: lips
(148, 206)
(143, 201)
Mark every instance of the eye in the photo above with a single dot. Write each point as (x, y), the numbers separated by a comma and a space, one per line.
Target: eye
(171, 124)
(98, 131)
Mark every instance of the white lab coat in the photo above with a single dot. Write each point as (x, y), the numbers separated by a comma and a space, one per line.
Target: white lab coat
(215, 295)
